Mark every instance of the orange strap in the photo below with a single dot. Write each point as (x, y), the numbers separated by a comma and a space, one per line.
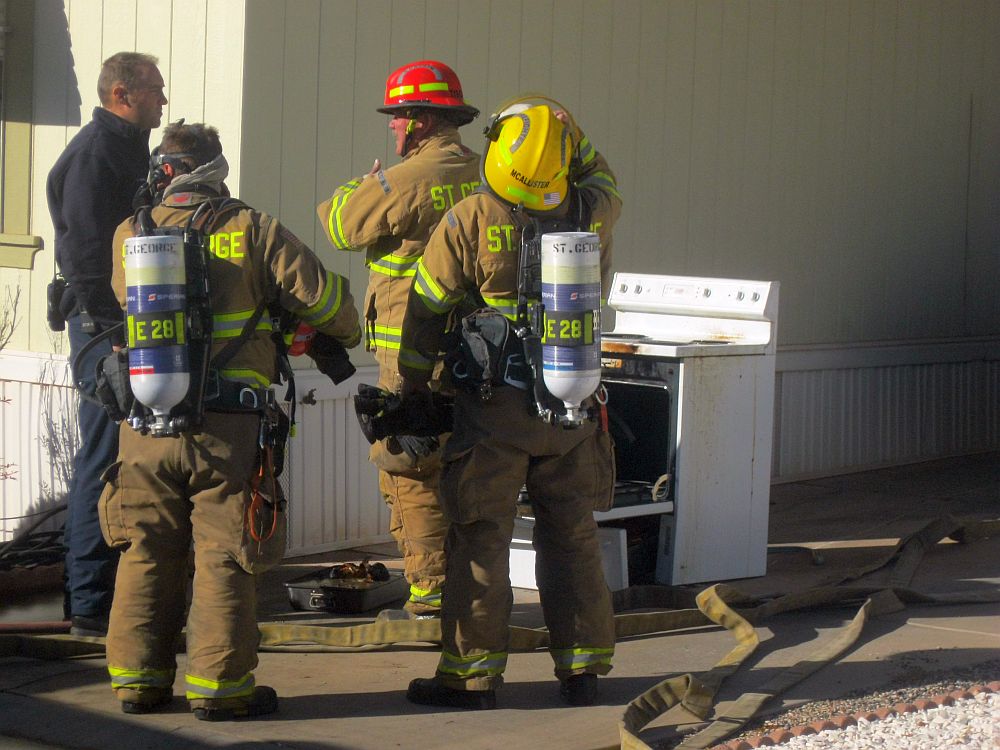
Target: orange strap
(258, 501)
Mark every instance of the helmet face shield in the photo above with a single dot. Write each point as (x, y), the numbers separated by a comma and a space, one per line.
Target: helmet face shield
(430, 84)
(527, 158)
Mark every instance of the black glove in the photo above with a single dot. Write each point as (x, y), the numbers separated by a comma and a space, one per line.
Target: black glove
(383, 414)
(413, 446)
(331, 358)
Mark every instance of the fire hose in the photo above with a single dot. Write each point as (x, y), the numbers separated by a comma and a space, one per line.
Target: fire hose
(720, 604)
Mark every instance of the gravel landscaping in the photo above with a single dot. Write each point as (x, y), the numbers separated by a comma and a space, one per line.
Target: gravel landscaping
(982, 710)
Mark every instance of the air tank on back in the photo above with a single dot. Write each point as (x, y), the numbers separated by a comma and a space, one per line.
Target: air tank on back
(571, 341)
(156, 308)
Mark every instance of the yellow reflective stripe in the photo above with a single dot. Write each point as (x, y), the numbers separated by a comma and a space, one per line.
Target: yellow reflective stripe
(140, 679)
(423, 596)
(228, 325)
(522, 195)
(478, 665)
(335, 221)
(433, 87)
(587, 151)
(415, 360)
(601, 181)
(198, 687)
(388, 337)
(245, 375)
(505, 154)
(390, 265)
(329, 302)
(506, 307)
(430, 293)
(579, 658)
(400, 90)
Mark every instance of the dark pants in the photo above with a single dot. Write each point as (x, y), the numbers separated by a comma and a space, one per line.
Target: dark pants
(90, 563)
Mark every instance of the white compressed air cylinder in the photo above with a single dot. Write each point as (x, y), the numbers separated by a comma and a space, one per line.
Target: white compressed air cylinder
(571, 293)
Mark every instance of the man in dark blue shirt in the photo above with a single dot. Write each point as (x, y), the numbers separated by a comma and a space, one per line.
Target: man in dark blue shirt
(90, 192)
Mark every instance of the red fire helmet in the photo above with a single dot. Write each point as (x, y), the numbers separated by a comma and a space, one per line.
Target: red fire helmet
(427, 83)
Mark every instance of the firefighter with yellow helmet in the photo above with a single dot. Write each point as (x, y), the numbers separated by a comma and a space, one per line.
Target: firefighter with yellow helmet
(540, 175)
(389, 214)
(207, 484)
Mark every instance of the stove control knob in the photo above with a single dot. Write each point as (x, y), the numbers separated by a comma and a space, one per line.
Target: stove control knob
(740, 296)
(623, 288)
(754, 297)
(638, 288)
(707, 292)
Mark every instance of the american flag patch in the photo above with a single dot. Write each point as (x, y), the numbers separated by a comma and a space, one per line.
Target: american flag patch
(550, 199)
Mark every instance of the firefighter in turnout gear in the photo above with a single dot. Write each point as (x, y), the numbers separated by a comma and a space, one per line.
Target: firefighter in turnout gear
(390, 214)
(212, 488)
(539, 171)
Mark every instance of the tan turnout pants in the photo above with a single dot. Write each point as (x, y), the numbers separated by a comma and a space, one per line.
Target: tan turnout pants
(497, 448)
(163, 496)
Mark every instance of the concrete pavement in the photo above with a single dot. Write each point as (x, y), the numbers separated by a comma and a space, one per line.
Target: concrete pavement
(357, 701)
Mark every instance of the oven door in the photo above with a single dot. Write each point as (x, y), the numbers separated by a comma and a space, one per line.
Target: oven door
(642, 419)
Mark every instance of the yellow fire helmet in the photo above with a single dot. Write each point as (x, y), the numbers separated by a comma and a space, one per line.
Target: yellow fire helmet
(527, 157)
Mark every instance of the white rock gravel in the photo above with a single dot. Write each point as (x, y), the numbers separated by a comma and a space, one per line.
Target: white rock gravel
(972, 723)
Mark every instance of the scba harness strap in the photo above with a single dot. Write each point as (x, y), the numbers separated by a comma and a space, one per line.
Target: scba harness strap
(492, 351)
(208, 390)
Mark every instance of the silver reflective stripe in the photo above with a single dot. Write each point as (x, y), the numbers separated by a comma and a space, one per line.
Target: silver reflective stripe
(579, 658)
(414, 360)
(420, 596)
(390, 265)
(197, 687)
(430, 294)
(473, 666)
(124, 678)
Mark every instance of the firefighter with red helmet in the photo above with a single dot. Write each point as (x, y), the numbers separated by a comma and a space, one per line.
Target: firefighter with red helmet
(540, 175)
(389, 214)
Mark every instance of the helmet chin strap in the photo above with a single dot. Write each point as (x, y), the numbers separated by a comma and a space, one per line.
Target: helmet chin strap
(411, 125)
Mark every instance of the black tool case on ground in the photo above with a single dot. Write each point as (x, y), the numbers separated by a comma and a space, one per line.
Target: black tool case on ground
(319, 592)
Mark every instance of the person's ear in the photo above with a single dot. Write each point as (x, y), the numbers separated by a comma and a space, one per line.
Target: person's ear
(119, 94)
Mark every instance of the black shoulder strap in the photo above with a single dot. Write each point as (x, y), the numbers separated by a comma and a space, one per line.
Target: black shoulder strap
(205, 219)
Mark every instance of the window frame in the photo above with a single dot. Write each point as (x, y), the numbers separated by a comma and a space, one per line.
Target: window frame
(17, 245)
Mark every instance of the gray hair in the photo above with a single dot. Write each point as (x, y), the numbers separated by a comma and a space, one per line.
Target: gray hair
(128, 68)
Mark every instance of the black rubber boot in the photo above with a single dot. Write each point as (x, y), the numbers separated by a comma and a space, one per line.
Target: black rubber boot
(147, 704)
(263, 701)
(579, 689)
(430, 692)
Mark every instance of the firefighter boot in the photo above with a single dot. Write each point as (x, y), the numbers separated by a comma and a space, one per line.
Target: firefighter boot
(430, 692)
(263, 701)
(143, 701)
(579, 689)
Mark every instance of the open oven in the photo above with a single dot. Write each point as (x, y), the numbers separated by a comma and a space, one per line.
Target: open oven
(689, 369)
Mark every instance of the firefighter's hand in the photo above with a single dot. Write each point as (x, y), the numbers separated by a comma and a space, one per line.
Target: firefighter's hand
(331, 358)
(415, 389)
(576, 134)
(376, 166)
(413, 446)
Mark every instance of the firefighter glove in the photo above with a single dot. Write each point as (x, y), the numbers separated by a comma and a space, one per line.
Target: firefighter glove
(413, 446)
(384, 414)
(331, 358)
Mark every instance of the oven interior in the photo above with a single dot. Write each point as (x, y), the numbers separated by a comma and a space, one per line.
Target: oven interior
(642, 422)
